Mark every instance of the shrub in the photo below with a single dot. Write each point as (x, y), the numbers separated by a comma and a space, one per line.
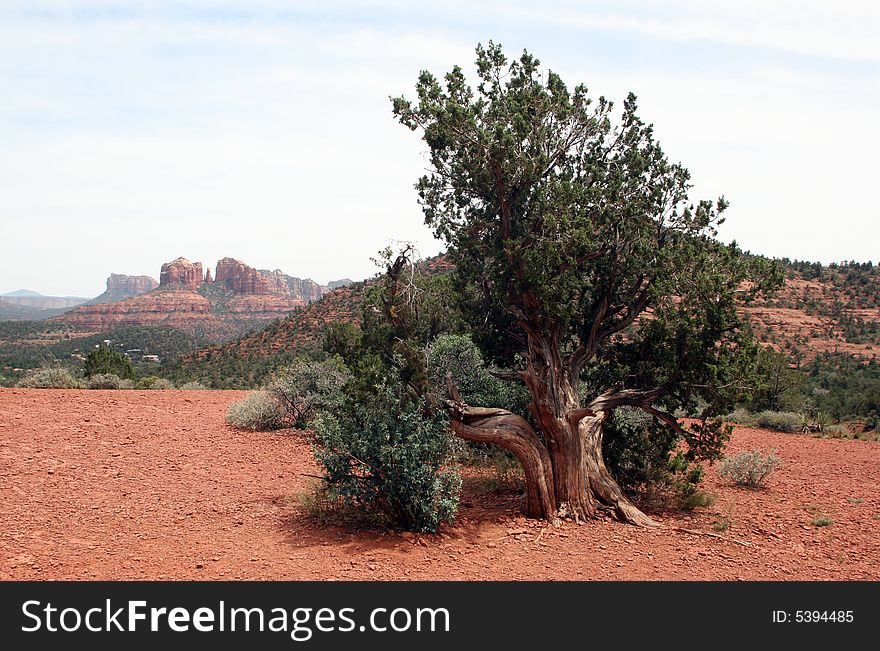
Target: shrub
(387, 455)
(307, 387)
(781, 421)
(821, 521)
(750, 469)
(193, 386)
(259, 411)
(690, 500)
(103, 360)
(108, 381)
(458, 356)
(155, 383)
(741, 416)
(50, 378)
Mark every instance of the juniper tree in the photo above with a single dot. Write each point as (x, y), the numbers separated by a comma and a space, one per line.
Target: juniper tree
(577, 250)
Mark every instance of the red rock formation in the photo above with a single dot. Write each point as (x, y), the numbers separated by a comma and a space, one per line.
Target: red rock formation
(130, 285)
(299, 289)
(181, 273)
(174, 307)
(240, 278)
(187, 300)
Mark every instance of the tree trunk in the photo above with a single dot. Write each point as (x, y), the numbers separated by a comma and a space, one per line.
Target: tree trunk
(565, 472)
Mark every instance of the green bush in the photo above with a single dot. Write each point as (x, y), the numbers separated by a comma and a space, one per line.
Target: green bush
(308, 387)
(193, 386)
(154, 383)
(749, 469)
(387, 456)
(781, 421)
(459, 357)
(50, 378)
(259, 411)
(108, 381)
(103, 360)
(741, 416)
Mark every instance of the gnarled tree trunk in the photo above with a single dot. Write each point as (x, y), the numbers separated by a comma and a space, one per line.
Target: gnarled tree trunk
(565, 472)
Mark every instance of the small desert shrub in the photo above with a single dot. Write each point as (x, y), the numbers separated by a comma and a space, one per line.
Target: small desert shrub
(323, 508)
(386, 456)
(721, 524)
(821, 521)
(154, 383)
(307, 387)
(108, 381)
(749, 469)
(836, 432)
(193, 386)
(259, 411)
(741, 416)
(689, 500)
(780, 421)
(50, 378)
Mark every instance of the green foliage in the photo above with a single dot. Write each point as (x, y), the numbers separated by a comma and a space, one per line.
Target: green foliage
(821, 521)
(193, 386)
(385, 456)
(750, 469)
(779, 386)
(385, 449)
(308, 387)
(458, 356)
(844, 387)
(780, 421)
(643, 455)
(50, 378)
(564, 227)
(154, 383)
(259, 411)
(108, 381)
(104, 360)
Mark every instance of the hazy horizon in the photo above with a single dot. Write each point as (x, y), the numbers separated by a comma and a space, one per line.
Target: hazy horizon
(134, 133)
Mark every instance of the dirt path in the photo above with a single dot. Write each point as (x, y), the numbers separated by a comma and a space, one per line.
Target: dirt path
(153, 485)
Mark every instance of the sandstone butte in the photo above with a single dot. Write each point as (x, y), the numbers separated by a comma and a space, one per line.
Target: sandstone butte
(120, 287)
(236, 298)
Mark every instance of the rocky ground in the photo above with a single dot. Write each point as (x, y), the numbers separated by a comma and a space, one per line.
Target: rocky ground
(153, 485)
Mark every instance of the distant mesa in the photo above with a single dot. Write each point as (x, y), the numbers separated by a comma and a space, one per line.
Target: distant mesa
(121, 287)
(22, 292)
(28, 305)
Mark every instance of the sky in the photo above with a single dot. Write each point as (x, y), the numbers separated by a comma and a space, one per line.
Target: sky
(132, 133)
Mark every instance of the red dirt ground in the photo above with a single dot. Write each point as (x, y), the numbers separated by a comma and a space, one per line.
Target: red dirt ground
(153, 485)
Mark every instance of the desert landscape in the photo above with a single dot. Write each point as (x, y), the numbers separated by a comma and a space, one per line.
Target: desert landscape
(154, 485)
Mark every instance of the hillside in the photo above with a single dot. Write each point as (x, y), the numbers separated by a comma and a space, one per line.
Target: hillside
(822, 309)
(246, 361)
(833, 309)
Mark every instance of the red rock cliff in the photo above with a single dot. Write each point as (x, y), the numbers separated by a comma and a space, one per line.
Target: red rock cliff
(281, 284)
(130, 285)
(240, 278)
(181, 273)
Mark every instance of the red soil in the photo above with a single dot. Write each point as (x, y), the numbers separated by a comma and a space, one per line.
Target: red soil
(153, 485)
